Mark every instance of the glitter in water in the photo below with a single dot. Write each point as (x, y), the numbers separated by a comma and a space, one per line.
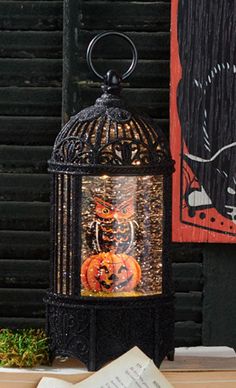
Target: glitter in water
(123, 215)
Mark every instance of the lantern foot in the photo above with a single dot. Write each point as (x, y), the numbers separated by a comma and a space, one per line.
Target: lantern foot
(98, 331)
(171, 355)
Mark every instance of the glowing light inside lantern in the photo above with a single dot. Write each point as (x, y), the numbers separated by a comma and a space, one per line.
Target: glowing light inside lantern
(122, 221)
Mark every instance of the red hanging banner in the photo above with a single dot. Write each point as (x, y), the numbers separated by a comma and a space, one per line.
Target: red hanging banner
(203, 120)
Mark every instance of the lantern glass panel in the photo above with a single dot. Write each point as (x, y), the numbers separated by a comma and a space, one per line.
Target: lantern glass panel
(122, 236)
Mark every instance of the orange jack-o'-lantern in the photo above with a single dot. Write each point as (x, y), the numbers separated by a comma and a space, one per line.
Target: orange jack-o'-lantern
(110, 272)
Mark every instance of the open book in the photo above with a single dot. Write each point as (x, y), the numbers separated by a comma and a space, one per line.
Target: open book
(132, 370)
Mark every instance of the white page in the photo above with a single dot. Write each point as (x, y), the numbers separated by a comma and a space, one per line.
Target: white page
(50, 382)
(132, 370)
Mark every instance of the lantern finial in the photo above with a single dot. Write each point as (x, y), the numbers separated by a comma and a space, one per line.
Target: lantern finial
(112, 82)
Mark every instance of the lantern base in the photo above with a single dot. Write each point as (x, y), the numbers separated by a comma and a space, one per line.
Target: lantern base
(99, 330)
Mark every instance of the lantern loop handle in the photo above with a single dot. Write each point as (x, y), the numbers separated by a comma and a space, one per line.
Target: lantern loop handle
(103, 35)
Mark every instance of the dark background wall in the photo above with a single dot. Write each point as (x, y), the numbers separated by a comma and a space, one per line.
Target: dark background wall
(30, 113)
(30, 110)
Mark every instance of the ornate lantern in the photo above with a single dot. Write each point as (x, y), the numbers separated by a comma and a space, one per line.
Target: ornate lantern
(111, 285)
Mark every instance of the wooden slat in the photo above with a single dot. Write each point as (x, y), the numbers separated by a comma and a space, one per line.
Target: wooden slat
(188, 276)
(148, 73)
(188, 306)
(30, 101)
(24, 187)
(148, 15)
(18, 302)
(151, 101)
(22, 322)
(31, 44)
(29, 130)
(31, 15)
(24, 216)
(186, 253)
(24, 158)
(24, 273)
(31, 72)
(22, 244)
(149, 45)
(152, 96)
(188, 333)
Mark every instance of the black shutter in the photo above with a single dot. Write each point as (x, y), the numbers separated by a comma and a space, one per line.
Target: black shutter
(30, 115)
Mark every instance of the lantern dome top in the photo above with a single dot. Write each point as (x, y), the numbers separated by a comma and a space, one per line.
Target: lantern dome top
(108, 137)
(108, 134)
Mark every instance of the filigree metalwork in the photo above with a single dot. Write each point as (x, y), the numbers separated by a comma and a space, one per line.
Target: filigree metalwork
(107, 133)
(70, 329)
(95, 111)
(72, 322)
(74, 151)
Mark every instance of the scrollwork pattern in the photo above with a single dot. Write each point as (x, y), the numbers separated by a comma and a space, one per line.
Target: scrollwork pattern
(123, 152)
(119, 115)
(70, 324)
(74, 151)
(70, 331)
(108, 133)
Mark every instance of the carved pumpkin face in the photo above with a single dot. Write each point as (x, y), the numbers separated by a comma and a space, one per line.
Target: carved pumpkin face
(110, 272)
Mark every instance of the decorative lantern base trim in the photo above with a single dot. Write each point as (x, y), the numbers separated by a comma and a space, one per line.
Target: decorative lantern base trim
(98, 333)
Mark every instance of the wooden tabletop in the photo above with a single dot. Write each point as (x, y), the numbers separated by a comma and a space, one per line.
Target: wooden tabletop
(184, 372)
(203, 379)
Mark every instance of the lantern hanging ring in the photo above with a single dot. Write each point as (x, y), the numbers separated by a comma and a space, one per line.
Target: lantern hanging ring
(103, 35)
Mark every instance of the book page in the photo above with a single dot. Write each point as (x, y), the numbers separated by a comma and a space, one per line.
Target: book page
(132, 370)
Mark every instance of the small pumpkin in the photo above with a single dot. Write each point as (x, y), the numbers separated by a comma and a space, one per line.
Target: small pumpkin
(110, 272)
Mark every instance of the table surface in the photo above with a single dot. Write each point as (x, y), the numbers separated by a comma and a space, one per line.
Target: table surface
(184, 372)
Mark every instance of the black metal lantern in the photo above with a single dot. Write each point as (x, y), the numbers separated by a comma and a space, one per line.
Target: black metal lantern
(111, 286)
